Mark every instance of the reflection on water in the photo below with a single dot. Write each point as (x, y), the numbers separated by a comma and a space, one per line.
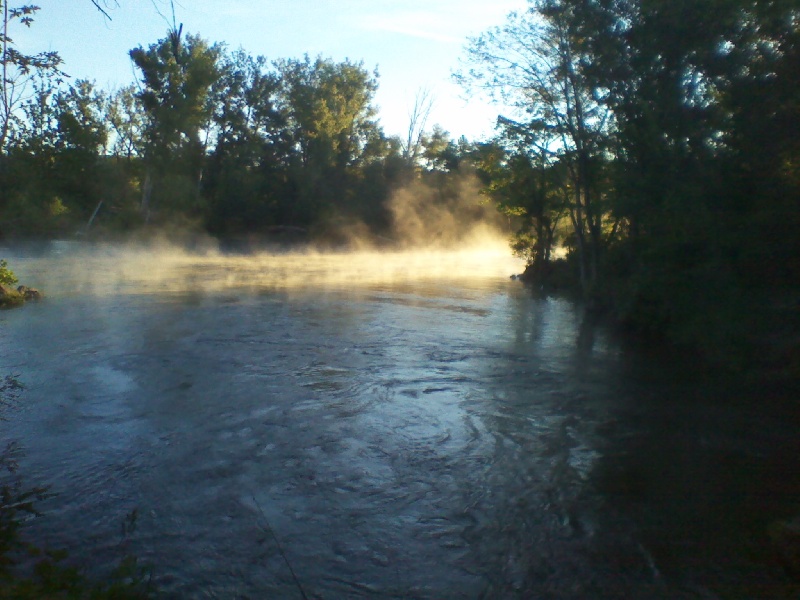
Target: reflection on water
(415, 426)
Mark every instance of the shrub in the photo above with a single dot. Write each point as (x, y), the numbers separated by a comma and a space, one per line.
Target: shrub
(7, 276)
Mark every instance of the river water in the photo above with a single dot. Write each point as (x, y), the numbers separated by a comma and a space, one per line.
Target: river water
(373, 425)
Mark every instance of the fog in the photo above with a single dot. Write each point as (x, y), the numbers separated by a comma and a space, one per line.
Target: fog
(434, 236)
(108, 269)
(423, 216)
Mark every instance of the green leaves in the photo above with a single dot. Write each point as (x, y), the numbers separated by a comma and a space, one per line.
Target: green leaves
(177, 77)
(330, 108)
(7, 276)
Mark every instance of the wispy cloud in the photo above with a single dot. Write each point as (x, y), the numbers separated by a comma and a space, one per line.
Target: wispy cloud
(423, 25)
(445, 21)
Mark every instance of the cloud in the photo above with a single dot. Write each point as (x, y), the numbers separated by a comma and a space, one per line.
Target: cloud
(422, 25)
(444, 21)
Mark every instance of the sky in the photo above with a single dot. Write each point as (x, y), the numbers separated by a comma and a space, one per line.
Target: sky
(414, 44)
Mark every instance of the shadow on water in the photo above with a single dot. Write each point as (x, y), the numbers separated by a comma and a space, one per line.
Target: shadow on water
(395, 436)
(642, 481)
(702, 465)
(703, 472)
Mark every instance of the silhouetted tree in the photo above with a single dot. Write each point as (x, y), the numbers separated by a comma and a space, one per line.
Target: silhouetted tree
(333, 126)
(536, 64)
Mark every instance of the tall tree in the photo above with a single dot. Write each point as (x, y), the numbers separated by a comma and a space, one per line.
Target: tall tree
(248, 167)
(332, 120)
(330, 108)
(706, 108)
(177, 76)
(536, 64)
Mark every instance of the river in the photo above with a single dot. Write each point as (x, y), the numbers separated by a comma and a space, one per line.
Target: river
(379, 425)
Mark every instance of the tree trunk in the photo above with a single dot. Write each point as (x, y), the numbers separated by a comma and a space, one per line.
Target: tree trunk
(147, 191)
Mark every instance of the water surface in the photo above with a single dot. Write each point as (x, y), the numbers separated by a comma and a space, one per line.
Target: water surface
(410, 426)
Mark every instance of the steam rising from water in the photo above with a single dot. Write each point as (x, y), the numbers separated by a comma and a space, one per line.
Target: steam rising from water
(438, 235)
(451, 216)
(114, 269)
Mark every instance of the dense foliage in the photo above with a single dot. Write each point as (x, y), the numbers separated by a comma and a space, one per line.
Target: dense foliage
(664, 135)
(208, 139)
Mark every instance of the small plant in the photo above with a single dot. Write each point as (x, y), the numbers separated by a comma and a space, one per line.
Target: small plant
(7, 276)
(9, 297)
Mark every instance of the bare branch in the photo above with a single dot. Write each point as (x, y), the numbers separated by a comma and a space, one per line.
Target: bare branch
(104, 6)
(418, 120)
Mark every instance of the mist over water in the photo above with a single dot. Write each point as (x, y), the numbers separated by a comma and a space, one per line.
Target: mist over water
(67, 268)
(424, 216)
(434, 236)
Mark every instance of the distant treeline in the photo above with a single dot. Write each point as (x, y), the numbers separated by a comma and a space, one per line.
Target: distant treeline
(210, 139)
(657, 143)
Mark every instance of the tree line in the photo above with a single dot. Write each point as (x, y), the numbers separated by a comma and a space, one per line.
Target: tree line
(206, 137)
(659, 143)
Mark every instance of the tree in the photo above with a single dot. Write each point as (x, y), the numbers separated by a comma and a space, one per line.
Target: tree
(332, 123)
(18, 68)
(127, 120)
(439, 151)
(177, 77)
(525, 187)
(247, 173)
(706, 107)
(82, 123)
(417, 123)
(671, 128)
(82, 142)
(537, 64)
(18, 71)
(29, 197)
(330, 109)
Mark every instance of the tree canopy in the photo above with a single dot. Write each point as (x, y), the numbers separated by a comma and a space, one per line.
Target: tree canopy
(668, 133)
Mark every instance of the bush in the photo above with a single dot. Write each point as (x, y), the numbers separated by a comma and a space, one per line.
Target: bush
(7, 276)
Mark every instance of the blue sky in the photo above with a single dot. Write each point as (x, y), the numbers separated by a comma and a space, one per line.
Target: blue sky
(414, 43)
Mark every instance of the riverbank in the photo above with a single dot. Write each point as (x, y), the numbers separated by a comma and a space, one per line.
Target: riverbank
(752, 333)
(11, 296)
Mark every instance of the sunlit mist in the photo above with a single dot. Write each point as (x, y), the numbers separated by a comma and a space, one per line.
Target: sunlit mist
(435, 236)
(155, 269)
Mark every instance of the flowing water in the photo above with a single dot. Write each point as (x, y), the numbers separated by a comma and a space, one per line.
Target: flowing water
(378, 426)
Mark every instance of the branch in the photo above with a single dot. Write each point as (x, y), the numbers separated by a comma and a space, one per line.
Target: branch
(101, 9)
